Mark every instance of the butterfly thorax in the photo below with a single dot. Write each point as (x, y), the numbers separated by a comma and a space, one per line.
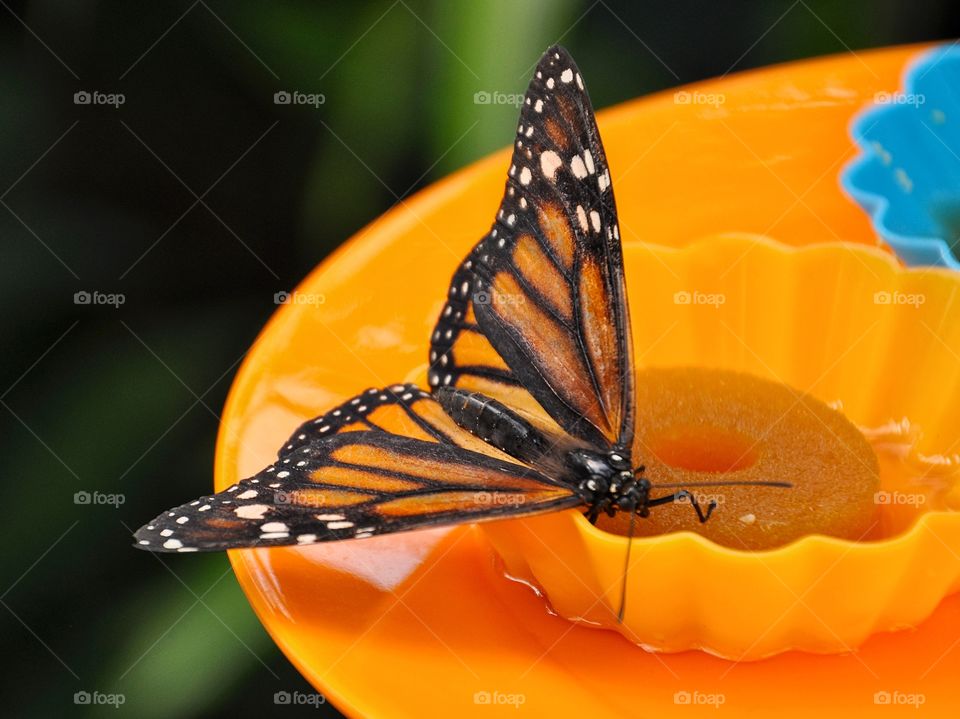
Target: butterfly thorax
(604, 479)
(607, 483)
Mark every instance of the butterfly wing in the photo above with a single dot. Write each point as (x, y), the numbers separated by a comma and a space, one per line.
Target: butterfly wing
(537, 314)
(388, 460)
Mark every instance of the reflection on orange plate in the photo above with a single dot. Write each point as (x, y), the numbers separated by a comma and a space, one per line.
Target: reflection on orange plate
(439, 624)
(425, 623)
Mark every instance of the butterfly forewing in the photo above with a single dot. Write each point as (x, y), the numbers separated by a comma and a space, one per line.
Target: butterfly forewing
(537, 314)
(387, 460)
(536, 319)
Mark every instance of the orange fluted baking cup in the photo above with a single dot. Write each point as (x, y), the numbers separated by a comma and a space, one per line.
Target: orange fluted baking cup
(847, 325)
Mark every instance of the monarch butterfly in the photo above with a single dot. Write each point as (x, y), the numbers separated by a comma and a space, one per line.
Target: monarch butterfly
(531, 404)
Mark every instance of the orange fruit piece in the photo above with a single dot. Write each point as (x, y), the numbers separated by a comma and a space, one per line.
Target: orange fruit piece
(705, 425)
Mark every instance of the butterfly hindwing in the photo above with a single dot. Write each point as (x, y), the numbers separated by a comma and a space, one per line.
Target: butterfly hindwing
(388, 460)
(537, 314)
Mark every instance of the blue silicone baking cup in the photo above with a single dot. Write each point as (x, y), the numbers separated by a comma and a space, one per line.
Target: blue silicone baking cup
(908, 175)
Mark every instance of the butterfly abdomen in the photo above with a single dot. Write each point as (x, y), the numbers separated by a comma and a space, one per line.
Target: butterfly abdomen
(493, 422)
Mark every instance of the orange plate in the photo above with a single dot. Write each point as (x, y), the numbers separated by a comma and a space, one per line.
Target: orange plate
(424, 623)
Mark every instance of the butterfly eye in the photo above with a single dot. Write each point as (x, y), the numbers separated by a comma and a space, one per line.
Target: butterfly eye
(618, 461)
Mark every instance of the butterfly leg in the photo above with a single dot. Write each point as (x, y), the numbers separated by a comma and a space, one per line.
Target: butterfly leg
(686, 495)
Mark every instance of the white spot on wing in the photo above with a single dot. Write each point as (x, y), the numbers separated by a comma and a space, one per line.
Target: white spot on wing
(549, 162)
(603, 181)
(595, 220)
(582, 218)
(525, 176)
(566, 75)
(251, 511)
(249, 494)
(579, 169)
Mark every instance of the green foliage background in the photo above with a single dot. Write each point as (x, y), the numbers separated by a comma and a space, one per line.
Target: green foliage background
(127, 400)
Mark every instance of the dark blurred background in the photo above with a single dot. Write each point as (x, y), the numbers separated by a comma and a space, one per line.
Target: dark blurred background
(197, 199)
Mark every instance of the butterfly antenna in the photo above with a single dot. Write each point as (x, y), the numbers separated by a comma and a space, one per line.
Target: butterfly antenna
(626, 568)
(723, 483)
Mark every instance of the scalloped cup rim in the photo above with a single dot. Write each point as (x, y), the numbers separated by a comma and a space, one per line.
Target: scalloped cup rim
(875, 589)
(798, 544)
(927, 245)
